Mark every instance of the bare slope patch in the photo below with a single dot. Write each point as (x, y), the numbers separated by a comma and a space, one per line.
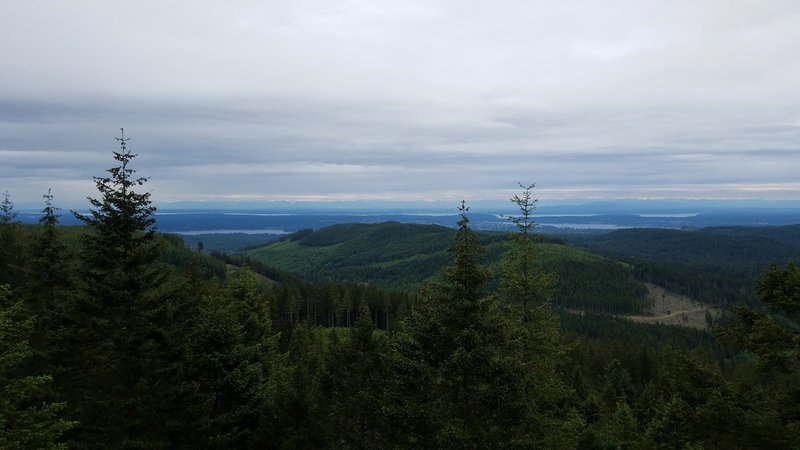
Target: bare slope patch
(669, 308)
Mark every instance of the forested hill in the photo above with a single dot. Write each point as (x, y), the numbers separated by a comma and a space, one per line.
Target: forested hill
(717, 265)
(403, 256)
(752, 245)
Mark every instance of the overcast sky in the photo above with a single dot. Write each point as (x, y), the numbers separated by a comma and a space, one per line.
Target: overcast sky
(403, 100)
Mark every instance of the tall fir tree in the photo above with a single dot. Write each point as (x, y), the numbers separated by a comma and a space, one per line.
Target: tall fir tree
(534, 330)
(119, 322)
(120, 247)
(49, 289)
(7, 212)
(522, 279)
(48, 271)
(11, 249)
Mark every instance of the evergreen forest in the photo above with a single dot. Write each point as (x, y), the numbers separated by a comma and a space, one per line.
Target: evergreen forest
(380, 336)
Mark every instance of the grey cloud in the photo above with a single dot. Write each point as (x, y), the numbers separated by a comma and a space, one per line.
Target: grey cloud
(407, 100)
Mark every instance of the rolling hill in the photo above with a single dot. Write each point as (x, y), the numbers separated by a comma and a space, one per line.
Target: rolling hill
(718, 265)
(403, 256)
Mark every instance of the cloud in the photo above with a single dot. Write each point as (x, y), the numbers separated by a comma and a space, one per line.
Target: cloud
(356, 99)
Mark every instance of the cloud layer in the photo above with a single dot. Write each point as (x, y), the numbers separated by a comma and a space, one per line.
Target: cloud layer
(410, 100)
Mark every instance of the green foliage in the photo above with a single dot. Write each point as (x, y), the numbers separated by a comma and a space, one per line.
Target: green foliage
(404, 256)
(774, 338)
(622, 429)
(780, 289)
(49, 271)
(464, 370)
(354, 384)
(308, 352)
(121, 245)
(669, 398)
(689, 404)
(11, 239)
(465, 276)
(153, 345)
(26, 419)
(714, 265)
(325, 304)
(7, 212)
(600, 286)
(234, 375)
(522, 278)
(229, 242)
(119, 325)
(393, 255)
(707, 245)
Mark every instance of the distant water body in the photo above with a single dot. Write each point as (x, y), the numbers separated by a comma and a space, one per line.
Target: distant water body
(277, 222)
(232, 231)
(586, 226)
(677, 216)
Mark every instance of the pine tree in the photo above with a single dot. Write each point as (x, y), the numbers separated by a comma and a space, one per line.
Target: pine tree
(522, 279)
(465, 276)
(11, 251)
(119, 323)
(535, 339)
(121, 245)
(462, 373)
(49, 290)
(49, 273)
(7, 212)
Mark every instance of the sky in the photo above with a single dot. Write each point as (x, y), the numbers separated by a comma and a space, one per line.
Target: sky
(251, 102)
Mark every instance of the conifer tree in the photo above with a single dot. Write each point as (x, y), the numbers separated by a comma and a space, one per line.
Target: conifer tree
(7, 212)
(49, 289)
(48, 270)
(119, 324)
(10, 242)
(522, 279)
(535, 331)
(121, 244)
(461, 374)
(26, 420)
